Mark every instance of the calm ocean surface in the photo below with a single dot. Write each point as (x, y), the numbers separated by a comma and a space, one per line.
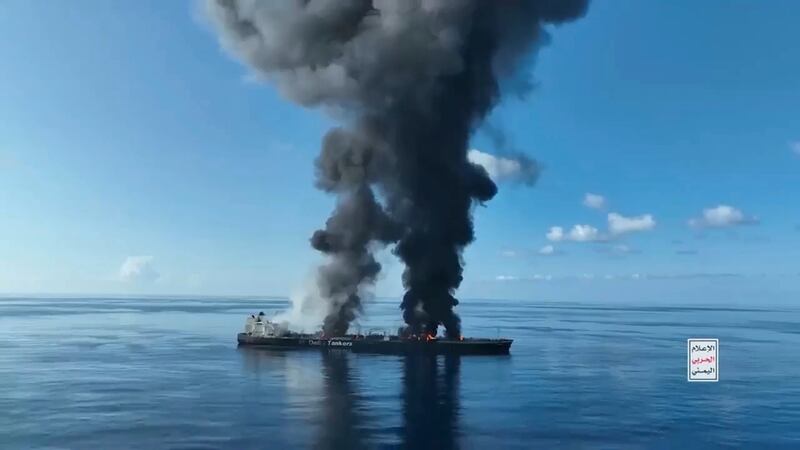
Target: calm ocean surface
(165, 373)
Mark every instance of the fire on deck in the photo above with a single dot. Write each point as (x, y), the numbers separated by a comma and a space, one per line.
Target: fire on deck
(260, 332)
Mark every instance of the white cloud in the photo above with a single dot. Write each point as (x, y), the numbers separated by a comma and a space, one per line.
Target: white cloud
(516, 168)
(721, 216)
(584, 233)
(506, 278)
(138, 269)
(555, 234)
(578, 233)
(509, 253)
(547, 250)
(618, 224)
(594, 201)
(795, 146)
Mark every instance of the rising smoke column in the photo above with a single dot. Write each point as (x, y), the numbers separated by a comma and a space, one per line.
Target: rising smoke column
(410, 80)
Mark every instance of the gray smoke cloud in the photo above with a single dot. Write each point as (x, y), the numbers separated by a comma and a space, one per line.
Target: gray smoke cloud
(411, 81)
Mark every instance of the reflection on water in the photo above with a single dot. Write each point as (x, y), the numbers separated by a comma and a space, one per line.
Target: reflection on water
(430, 401)
(340, 420)
(261, 360)
(325, 390)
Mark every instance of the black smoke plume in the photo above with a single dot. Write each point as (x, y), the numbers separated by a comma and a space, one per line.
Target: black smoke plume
(411, 80)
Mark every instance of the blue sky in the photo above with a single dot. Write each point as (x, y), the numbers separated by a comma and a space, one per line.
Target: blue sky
(136, 157)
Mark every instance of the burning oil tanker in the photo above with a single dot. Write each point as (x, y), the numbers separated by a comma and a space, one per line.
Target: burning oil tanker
(260, 332)
(409, 82)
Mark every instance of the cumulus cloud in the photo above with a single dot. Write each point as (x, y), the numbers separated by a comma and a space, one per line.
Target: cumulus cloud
(555, 234)
(138, 269)
(594, 201)
(619, 224)
(578, 233)
(722, 216)
(516, 168)
(584, 233)
(547, 250)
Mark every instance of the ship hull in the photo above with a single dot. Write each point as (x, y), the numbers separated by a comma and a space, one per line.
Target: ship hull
(297, 342)
(437, 347)
(393, 346)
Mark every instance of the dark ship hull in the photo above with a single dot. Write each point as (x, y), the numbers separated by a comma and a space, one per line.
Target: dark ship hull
(398, 346)
(293, 341)
(388, 346)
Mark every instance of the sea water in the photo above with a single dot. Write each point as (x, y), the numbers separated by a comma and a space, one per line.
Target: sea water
(120, 373)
